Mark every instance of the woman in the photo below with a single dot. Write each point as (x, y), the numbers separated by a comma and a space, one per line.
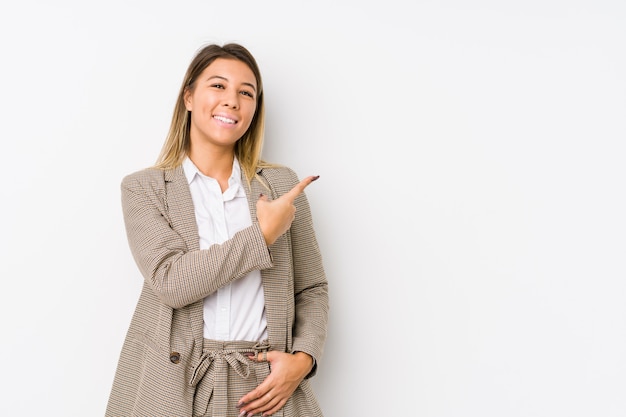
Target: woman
(232, 317)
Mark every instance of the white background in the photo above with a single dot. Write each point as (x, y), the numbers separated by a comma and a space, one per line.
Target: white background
(470, 208)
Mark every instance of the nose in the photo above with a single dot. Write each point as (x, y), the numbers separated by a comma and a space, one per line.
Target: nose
(232, 100)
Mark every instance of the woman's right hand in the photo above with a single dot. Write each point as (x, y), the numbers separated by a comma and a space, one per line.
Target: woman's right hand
(275, 216)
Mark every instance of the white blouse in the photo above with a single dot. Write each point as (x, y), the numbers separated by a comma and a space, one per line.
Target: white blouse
(237, 310)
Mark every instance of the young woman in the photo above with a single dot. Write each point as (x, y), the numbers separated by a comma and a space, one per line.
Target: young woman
(232, 317)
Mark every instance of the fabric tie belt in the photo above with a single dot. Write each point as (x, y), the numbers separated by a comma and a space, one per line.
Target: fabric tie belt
(221, 355)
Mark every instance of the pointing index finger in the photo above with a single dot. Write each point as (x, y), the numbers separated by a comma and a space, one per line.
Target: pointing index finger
(299, 187)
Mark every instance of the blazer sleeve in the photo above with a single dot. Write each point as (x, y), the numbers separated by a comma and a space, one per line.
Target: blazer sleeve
(177, 275)
(310, 283)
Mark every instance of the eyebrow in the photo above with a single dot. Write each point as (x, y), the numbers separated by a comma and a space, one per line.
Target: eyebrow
(226, 79)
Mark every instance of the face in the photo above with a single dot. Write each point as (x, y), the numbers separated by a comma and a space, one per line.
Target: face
(222, 104)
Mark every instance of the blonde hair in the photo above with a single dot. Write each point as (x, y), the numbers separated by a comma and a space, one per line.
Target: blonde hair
(248, 148)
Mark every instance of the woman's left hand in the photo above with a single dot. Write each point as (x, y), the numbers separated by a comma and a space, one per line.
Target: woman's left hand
(287, 371)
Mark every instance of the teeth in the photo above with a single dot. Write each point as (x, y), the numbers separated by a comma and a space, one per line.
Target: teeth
(224, 119)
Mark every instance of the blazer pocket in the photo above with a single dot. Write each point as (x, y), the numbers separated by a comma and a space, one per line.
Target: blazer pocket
(161, 384)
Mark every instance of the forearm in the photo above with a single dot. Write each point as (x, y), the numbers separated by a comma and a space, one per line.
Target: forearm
(180, 278)
(310, 323)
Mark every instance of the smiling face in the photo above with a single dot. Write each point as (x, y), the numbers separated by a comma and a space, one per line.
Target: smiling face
(222, 103)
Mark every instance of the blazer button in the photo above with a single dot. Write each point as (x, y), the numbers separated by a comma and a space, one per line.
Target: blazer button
(174, 357)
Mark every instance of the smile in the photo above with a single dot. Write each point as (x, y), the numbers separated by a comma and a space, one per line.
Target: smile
(225, 120)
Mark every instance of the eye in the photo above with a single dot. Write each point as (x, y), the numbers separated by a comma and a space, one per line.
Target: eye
(217, 85)
(247, 93)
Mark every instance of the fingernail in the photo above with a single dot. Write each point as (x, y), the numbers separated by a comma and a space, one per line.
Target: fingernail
(243, 413)
(315, 178)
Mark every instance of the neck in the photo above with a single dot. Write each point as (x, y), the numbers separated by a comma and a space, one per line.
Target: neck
(214, 163)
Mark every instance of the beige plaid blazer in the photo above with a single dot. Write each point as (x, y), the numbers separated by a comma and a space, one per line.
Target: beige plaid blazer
(164, 341)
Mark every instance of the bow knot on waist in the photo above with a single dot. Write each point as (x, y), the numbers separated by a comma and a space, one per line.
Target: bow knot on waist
(234, 357)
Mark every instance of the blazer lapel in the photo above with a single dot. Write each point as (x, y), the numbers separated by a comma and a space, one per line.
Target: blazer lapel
(273, 283)
(183, 219)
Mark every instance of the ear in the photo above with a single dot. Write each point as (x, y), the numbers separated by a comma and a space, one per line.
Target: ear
(187, 99)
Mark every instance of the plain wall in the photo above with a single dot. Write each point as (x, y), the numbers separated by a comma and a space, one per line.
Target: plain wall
(470, 208)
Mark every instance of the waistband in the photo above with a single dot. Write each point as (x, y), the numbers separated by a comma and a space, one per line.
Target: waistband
(243, 346)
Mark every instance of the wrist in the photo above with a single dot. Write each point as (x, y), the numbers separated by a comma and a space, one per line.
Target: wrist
(305, 359)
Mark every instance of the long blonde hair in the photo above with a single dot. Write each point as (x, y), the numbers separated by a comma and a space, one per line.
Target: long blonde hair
(248, 148)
